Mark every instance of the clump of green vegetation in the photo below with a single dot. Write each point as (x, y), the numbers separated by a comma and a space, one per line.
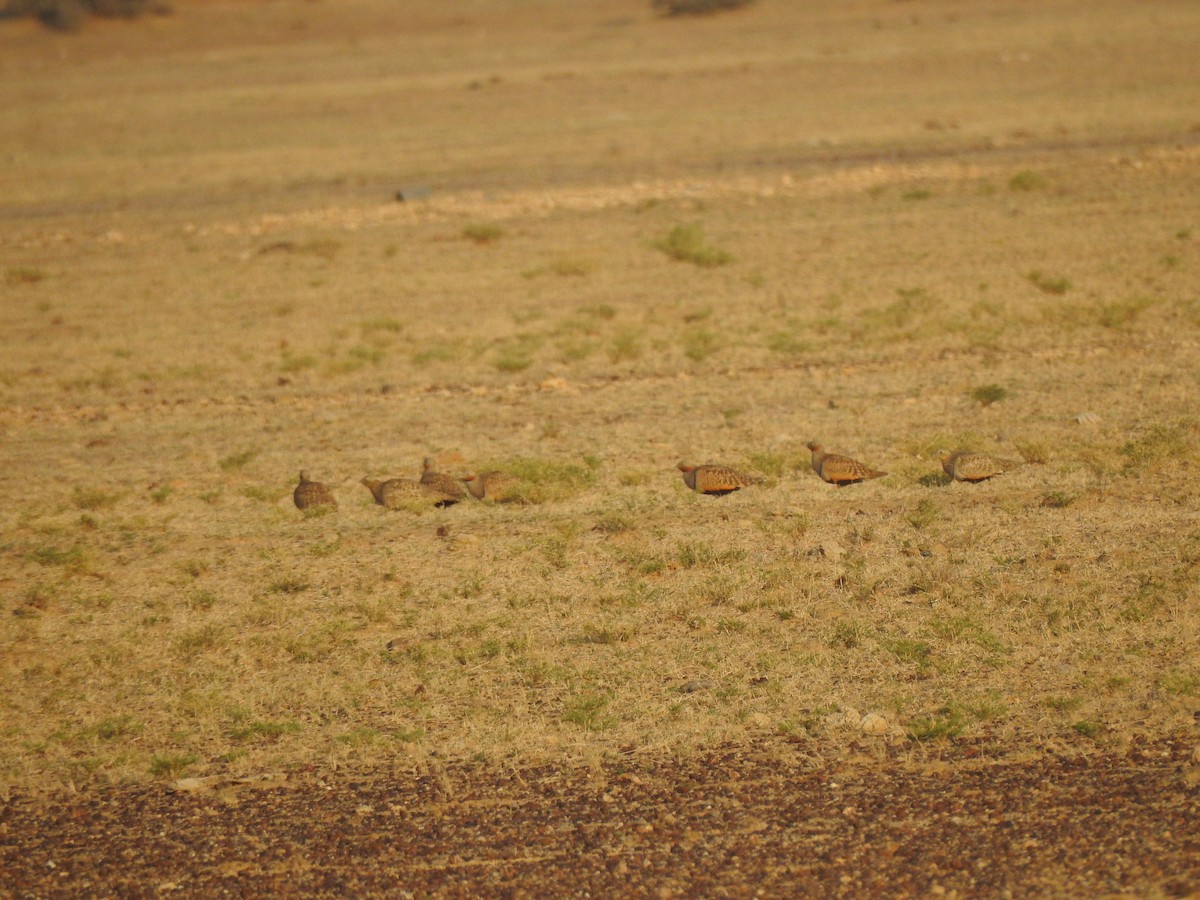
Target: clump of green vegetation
(600, 311)
(626, 345)
(686, 243)
(699, 344)
(292, 362)
(564, 267)
(237, 460)
(1182, 684)
(613, 523)
(516, 354)
(1161, 443)
(72, 558)
(1120, 314)
(91, 498)
(773, 464)
(355, 359)
(381, 325)
(587, 711)
(289, 585)
(15, 275)
(917, 194)
(114, 727)
(910, 650)
(701, 555)
(1026, 180)
(987, 394)
(786, 343)
(193, 643)
(1058, 499)
(482, 232)
(1048, 284)
(542, 481)
(1032, 452)
(924, 515)
(172, 765)
(946, 722)
(910, 304)
(951, 719)
(436, 351)
(263, 731)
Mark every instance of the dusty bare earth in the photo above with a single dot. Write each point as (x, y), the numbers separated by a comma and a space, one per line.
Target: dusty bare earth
(583, 242)
(741, 822)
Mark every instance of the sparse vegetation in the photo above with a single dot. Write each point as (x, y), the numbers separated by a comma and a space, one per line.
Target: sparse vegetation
(15, 275)
(987, 394)
(686, 243)
(1026, 180)
(1048, 284)
(235, 461)
(483, 232)
(173, 357)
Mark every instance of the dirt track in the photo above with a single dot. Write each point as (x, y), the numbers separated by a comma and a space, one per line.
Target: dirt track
(756, 821)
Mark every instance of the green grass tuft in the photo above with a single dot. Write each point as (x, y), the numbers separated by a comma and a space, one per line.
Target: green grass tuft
(686, 243)
(987, 394)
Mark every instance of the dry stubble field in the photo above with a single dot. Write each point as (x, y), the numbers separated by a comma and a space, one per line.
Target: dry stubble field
(919, 226)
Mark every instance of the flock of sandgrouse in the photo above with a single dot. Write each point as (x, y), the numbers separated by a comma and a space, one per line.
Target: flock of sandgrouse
(439, 489)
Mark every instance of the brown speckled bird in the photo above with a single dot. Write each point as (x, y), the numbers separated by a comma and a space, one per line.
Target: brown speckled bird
(447, 484)
(967, 465)
(399, 492)
(714, 479)
(839, 470)
(312, 493)
(500, 487)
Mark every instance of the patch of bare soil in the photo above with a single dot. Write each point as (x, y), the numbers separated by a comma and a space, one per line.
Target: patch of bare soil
(733, 822)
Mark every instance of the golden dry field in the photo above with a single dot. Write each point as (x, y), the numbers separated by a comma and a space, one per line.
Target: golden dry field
(898, 228)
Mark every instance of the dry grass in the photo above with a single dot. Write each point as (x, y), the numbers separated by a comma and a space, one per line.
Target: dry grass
(167, 610)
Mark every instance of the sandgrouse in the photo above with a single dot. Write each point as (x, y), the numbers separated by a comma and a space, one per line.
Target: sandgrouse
(839, 470)
(966, 465)
(714, 479)
(447, 484)
(309, 494)
(399, 492)
(500, 487)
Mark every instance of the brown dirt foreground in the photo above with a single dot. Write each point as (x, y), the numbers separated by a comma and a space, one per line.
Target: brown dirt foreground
(735, 822)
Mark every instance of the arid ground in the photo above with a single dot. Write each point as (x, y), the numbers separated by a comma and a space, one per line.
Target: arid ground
(581, 241)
